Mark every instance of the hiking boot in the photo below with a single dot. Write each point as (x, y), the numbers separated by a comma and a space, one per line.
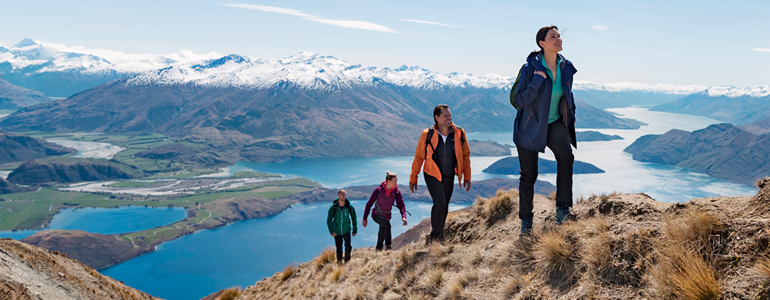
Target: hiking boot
(563, 215)
(526, 226)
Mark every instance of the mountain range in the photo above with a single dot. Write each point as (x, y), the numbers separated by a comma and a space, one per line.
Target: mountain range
(306, 105)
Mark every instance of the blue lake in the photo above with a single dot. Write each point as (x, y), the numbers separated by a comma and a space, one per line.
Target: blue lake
(623, 174)
(108, 220)
(242, 253)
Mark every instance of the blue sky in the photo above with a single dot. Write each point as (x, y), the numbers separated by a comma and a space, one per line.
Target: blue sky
(673, 42)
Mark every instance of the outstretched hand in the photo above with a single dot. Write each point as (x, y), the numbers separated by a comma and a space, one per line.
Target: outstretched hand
(412, 186)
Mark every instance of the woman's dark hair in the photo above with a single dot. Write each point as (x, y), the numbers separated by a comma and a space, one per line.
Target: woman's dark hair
(437, 111)
(542, 33)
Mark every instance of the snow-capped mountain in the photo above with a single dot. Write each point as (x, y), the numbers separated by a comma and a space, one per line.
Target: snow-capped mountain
(60, 71)
(30, 62)
(308, 70)
(50, 57)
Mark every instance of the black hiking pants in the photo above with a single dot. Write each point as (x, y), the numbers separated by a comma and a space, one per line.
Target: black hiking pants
(383, 235)
(559, 142)
(441, 192)
(338, 242)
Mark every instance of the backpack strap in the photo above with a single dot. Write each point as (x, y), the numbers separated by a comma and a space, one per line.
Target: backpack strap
(515, 87)
(427, 141)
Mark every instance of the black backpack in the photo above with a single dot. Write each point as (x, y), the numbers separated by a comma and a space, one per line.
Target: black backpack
(516, 87)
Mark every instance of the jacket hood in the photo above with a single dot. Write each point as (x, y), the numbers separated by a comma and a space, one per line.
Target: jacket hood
(384, 183)
(535, 59)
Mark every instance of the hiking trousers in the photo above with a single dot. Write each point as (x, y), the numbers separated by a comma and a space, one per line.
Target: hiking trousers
(441, 192)
(383, 236)
(338, 242)
(558, 141)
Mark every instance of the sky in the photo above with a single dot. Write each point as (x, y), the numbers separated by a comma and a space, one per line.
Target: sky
(608, 41)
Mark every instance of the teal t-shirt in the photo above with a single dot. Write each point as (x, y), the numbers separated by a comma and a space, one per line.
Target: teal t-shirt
(556, 92)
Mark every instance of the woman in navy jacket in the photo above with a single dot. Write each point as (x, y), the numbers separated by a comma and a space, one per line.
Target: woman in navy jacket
(545, 117)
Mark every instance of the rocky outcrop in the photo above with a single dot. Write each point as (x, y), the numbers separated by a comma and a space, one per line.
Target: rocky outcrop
(29, 272)
(51, 171)
(721, 150)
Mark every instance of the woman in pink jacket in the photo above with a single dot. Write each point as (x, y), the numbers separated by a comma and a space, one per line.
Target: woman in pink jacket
(383, 199)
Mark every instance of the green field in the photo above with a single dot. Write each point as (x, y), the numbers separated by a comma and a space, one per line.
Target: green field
(250, 174)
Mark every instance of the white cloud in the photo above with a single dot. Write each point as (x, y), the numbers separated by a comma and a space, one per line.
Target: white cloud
(341, 23)
(761, 49)
(273, 9)
(355, 24)
(428, 22)
(600, 27)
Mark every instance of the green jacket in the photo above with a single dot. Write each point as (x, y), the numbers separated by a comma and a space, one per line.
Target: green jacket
(339, 218)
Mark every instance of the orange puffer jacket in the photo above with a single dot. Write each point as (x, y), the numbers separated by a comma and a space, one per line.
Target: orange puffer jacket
(462, 153)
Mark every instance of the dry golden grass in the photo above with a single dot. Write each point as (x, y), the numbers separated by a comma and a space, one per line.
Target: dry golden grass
(695, 229)
(433, 278)
(552, 252)
(230, 294)
(761, 271)
(552, 195)
(327, 255)
(337, 274)
(288, 271)
(475, 257)
(682, 273)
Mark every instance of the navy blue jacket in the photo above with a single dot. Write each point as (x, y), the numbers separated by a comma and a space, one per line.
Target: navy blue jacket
(530, 129)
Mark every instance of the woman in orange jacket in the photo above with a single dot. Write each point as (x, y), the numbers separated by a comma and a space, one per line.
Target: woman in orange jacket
(443, 148)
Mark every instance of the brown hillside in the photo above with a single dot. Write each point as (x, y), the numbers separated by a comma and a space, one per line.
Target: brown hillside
(621, 247)
(93, 249)
(29, 272)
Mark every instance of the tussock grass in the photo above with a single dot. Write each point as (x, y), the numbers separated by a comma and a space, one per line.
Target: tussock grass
(695, 229)
(433, 278)
(288, 271)
(456, 286)
(681, 273)
(552, 195)
(475, 257)
(230, 294)
(337, 274)
(761, 271)
(555, 254)
(327, 255)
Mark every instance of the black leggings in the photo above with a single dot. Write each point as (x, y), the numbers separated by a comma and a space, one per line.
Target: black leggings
(338, 242)
(384, 234)
(558, 141)
(441, 192)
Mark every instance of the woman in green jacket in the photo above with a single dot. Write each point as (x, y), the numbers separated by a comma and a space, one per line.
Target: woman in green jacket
(339, 220)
